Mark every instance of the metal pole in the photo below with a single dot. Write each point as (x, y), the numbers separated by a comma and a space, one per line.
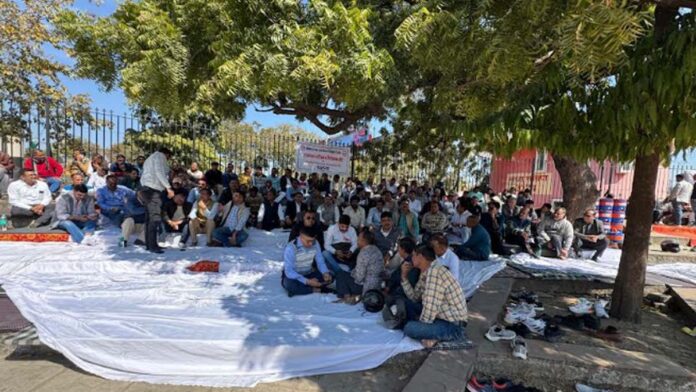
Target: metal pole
(531, 181)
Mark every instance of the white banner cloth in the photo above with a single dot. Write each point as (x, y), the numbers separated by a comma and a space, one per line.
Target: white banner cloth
(319, 158)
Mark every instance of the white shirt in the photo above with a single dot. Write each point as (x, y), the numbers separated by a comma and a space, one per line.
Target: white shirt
(415, 206)
(156, 172)
(334, 235)
(357, 217)
(681, 192)
(23, 195)
(451, 261)
(95, 182)
(459, 220)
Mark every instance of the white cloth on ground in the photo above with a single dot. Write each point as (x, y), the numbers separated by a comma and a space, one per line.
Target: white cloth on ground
(125, 314)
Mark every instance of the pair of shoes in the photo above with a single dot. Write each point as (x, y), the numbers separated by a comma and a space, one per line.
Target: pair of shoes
(484, 385)
(518, 313)
(585, 306)
(498, 332)
(519, 348)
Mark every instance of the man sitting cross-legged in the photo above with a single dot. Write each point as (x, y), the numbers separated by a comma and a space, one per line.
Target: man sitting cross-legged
(434, 221)
(556, 234)
(175, 217)
(309, 221)
(75, 214)
(386, 236)
(134, 221)
(404, 250)
(299, 276)
(478, 246)
(444, 254)
(367, 272)
(234, 218)
(589, 234)
(436, 307)
(112, 200)
(30, 198)
(340, 241)
(203, 216)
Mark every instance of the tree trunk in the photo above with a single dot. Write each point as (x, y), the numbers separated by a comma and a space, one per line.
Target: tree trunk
(579, 185)
(627, 297)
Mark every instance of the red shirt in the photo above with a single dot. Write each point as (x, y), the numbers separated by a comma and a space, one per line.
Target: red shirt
(49, 168)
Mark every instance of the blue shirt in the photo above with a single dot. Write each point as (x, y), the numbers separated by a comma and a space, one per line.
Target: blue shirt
(117, 199)
(479, 242)
(134, 207)
(297, 260)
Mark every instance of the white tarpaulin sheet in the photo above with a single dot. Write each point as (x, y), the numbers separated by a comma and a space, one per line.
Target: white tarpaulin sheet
(606, 268)
(124, 314)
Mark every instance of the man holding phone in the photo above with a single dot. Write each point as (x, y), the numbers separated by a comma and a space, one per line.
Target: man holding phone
(300, 277)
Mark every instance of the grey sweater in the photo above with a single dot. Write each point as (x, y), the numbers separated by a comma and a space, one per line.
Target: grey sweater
(368, 268)
(562, 228)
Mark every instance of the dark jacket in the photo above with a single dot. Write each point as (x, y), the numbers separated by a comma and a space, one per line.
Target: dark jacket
(213, 177)
(386, 243)
(292, 212)
(270, 216)
(170, 208)
(581, 229)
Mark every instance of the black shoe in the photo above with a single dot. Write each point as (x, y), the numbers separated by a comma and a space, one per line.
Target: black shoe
(156, 250)
(139, 243)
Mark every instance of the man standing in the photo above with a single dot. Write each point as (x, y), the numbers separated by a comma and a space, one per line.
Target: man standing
(556, 233)
(679, 196)
(589, 234)
(30, 198)
(75, 213)
(155, 180)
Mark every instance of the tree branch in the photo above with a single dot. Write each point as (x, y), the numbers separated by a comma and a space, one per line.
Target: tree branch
(312, 114)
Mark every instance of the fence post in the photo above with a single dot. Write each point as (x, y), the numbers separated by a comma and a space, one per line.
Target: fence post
(531, 182)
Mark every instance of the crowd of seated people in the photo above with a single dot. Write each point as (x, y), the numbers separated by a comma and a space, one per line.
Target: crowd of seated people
(345, 235)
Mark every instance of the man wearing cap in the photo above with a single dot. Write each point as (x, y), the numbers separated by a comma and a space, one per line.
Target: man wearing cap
(46, 169)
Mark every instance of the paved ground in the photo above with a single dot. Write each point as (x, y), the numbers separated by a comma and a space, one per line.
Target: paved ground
(53, 373)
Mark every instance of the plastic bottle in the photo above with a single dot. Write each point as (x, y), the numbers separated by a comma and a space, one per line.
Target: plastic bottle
(3, 223)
